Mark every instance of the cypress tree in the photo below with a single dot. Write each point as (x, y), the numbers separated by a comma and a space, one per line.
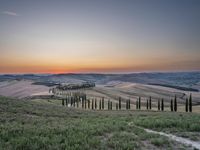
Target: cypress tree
(99, 104)
(162, 105)
(92, 104)
(108, 104)
(171, 105)
(63, 102)
(126, 104)
(85, 104)
(190, 103)
(129, 104)
(95, 105)
(175, 103)
(116, 106)
(139, 105)
(82, 103)
(73, 102)
(88, 104)
(120, 103)
(71, 99)
(111, 105)
(147, 104)
(103, 103)
(150, 102)
(186, 105)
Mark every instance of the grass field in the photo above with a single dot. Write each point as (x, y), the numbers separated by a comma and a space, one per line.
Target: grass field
(43, 124)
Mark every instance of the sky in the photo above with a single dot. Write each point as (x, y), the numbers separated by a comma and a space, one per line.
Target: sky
(99, 36)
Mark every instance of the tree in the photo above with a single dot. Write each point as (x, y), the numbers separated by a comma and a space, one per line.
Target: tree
(111, 105)
(103, 103)
(126, 104)
(95, 105)
(190, 103)
(175, 103)
(108, 104)
(171, 105)
(85, 104)
(186, 105)
(63, 102)
(139, 105)
(73, 102)
(147, 104)
(162, 105)
(88, 104)
(116, 106)
(82, 103)
(120, 101)
(92, 104)
(100, 105)
(150, 102)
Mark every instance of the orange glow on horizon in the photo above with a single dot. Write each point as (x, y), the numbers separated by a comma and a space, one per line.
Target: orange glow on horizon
(103, 63)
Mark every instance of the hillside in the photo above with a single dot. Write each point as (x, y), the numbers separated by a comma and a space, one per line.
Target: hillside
(48, 125)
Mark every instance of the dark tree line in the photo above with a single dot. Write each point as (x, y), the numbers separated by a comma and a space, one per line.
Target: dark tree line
(87, 104)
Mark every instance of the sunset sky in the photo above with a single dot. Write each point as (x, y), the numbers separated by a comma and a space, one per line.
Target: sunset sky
(61, 36)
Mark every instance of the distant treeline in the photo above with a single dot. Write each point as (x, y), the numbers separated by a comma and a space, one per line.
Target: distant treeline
(176, 87)
(49, 84)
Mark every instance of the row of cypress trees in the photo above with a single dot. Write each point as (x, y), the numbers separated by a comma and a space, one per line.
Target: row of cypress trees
(86, 103)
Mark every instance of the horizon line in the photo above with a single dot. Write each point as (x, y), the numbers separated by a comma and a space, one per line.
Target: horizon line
(132, 72)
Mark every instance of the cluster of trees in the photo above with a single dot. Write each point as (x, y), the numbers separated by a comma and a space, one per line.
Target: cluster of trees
(75, 86)
(87, 104)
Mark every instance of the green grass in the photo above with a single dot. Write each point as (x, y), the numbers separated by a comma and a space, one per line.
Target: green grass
(46, 125)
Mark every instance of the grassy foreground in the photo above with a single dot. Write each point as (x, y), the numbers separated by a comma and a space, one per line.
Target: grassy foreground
(33, 125)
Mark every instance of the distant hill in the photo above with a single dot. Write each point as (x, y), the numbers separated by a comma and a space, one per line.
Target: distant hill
(181, 80)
